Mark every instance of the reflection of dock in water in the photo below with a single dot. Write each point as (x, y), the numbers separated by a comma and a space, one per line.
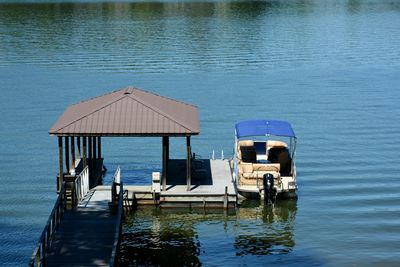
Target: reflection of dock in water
(155, 236)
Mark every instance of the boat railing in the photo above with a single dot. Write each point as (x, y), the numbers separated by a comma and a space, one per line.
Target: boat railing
(40, 252)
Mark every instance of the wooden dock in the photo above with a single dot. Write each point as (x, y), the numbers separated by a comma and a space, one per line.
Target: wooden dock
(82, 228)
(86, 235)
(89, 233)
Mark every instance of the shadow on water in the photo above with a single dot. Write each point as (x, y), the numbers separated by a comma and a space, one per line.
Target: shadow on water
(154, 237)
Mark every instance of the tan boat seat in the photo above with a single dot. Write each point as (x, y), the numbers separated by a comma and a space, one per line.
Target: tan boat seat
(266, 167)
(274, 143)
(246, 151)
(249, 173)
(245, 167)
(246, 143)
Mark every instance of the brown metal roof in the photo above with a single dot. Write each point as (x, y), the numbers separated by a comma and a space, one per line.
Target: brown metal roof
(128, 112)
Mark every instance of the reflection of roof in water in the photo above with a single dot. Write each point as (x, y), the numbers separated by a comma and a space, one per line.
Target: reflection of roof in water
(151, 243)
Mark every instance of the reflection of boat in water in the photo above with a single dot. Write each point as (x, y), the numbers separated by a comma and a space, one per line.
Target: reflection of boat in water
(265, 167)
(191, 237)
(264, 229)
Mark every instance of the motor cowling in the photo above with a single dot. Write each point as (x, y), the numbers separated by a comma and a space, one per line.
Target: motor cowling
(269, 189)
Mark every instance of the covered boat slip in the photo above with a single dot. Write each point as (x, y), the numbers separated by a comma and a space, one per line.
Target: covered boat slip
(131, 112)
(84, 227)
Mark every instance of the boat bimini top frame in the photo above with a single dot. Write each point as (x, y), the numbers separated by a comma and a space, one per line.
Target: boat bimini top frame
(266, 128)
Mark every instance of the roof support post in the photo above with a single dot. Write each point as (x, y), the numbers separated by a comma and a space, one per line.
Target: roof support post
(66, 139)
(165, 158)
(99, 147)
(78, 145)
(72, 153)
(84, 152)
(166, 174)
(90, 161)
(94, 147)
(60, 164)
(188, 163)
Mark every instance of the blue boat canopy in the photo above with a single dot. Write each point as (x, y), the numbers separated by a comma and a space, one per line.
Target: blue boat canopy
(263, 128)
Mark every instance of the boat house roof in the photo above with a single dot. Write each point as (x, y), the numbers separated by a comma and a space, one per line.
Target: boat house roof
(128, 112)
(263, 128)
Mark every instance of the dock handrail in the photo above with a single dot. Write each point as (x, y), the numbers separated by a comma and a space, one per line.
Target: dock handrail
(81, 185)
(39, 254)
(115, 184)
(117, 197)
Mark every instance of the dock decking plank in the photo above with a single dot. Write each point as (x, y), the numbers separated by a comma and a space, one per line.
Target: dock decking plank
(86, 234)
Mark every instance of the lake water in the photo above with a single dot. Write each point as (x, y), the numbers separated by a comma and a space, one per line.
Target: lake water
(331, 68)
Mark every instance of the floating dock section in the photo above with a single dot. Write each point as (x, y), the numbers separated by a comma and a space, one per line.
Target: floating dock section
(212, 187)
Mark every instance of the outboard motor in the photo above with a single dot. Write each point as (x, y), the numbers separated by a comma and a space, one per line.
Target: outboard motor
(269, 190)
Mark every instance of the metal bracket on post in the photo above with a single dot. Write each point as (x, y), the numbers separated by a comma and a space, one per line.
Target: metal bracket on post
(156, 185)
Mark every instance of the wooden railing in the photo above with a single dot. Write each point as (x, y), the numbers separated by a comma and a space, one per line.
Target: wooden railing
(115, 186)
(39, 254)
(117, 199)
(81, 186)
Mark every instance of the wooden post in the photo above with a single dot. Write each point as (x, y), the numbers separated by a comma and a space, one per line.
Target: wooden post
(188, 164)
(60, 163)
(166, 174)
(84, 152)
(94, 160)
(90, 153)
(78, 144)
(165, 141)
(66, 139)
(99, 147)
(226, 198)
(72, 153)
(94, 147)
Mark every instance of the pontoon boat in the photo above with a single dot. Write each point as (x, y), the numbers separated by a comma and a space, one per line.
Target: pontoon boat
(264, 163)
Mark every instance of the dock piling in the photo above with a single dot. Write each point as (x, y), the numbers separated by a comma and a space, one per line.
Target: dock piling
(226, 198)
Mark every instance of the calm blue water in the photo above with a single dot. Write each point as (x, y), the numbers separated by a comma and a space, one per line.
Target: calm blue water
(331, 68)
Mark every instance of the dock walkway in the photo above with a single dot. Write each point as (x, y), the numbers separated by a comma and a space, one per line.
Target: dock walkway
(86, 234)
